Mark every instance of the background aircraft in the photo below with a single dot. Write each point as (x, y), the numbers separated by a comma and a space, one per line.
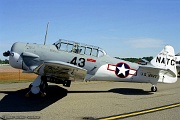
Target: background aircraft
(66, 61)
(177, 56)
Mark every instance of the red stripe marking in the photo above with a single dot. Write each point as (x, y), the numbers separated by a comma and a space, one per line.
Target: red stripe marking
(91, 60)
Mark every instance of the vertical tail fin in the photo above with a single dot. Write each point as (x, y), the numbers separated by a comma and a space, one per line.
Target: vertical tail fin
(165, 60)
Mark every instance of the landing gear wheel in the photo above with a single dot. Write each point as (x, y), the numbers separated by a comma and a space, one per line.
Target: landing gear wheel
(153, 89)
(43, 88)
(38, 90)
(29, 93)
(43, 94)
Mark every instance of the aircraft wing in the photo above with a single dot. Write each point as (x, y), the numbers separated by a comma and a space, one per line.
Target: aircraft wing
(55, 69)
(61, 70)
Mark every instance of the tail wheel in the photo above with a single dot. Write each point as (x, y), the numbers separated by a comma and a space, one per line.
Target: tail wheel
(153, 89)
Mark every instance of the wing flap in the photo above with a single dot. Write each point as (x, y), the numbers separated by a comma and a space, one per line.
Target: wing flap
(61, 70)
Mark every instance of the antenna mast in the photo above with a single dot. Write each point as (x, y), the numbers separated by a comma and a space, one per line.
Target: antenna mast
(46, 33)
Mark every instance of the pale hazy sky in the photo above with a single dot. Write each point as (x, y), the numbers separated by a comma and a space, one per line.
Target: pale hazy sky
(123, 28)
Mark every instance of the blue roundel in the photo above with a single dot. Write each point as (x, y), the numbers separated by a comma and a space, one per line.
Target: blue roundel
(122, 70)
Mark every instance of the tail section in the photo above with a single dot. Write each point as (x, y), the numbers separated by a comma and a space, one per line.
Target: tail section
(165, 61)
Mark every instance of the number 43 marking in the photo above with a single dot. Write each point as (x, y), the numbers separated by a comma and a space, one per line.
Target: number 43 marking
(80, 63)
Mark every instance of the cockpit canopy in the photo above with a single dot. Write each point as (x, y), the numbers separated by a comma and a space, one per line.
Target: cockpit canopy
(74, 47)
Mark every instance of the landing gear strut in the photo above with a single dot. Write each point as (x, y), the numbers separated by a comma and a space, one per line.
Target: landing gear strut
(38, 87)
(153, 88)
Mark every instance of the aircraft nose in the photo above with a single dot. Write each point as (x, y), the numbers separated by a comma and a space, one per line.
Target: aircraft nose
(15, 59)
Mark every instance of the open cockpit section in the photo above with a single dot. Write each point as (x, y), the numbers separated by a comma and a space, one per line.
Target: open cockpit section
(78, 48)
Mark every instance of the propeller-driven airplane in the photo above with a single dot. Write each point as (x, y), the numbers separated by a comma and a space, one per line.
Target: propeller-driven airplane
(66, 61)
(177, 56)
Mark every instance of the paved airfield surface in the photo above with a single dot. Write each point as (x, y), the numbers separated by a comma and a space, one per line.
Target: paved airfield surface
(92, 100)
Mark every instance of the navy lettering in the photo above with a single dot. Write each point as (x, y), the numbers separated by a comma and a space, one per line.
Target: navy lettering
(172, 62)
(163, 61)
(158, 59)
(168, 61)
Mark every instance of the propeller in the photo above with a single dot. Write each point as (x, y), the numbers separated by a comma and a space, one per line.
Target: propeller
(6, 54)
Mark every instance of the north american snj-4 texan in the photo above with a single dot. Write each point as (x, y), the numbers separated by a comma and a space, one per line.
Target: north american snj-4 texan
(66, 61)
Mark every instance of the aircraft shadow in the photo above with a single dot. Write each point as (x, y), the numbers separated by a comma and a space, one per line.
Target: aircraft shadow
(124, 91)
(15, 101)
(130, 91)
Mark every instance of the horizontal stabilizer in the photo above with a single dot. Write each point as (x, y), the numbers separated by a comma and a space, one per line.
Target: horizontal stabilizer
(150, 67)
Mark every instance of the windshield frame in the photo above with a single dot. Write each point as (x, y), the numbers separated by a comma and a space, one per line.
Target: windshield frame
(94, 50)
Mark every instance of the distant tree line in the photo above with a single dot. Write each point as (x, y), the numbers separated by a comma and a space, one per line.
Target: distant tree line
(4, 61)
(148, 58)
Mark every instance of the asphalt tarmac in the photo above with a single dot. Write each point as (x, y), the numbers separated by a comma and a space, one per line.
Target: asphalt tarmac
(92, 100)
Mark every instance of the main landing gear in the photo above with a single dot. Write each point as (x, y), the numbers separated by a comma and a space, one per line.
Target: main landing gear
(153, 88)
(38, 87)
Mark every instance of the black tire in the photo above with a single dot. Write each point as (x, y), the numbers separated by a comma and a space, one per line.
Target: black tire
(153, 89)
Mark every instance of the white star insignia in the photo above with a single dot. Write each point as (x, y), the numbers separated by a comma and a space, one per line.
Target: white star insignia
(122, 70)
